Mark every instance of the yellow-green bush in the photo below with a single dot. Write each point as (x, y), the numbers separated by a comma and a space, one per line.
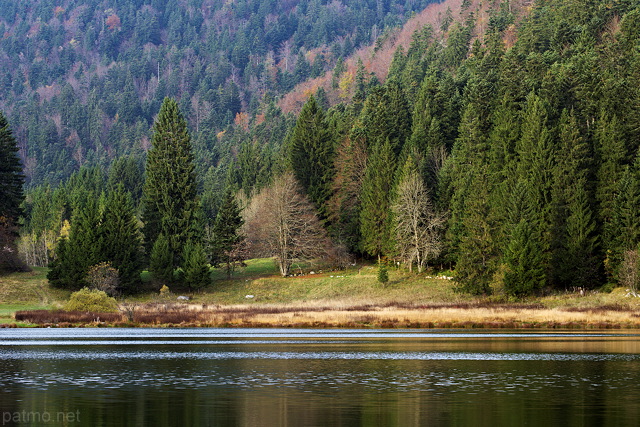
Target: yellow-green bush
(91, 300)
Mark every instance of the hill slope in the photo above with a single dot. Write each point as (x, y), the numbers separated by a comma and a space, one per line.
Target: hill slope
(82, 80)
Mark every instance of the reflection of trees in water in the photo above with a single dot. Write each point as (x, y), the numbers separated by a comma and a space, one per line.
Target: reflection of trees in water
(168, 385)
(10, 393)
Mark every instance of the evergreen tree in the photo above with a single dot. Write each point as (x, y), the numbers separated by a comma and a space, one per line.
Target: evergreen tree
(574, 238)
(468, 163)
(312, 152)
(624, 228)
(170, 200)
(375, 220)
(524, 260)
(534, 171)
(582, 268)
(11, 176)
(611, 158)
(161, 261)
(385, 116)
(121, 242)
(11, 197)
(226, 233)
(80, 251)
(383, 274)
(475, 265)
(195, 268)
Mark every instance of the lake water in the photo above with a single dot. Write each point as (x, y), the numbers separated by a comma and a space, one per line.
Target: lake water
(264, 377)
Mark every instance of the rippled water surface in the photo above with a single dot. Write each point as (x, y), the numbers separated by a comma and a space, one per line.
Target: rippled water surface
(261, 377)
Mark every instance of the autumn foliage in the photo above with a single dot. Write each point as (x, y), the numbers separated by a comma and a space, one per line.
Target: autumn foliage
(113, 22)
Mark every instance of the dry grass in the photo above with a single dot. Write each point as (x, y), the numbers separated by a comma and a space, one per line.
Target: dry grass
(434, 316)
(480, 315)
(29, 288)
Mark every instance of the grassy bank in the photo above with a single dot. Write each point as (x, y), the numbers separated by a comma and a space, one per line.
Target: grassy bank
(257, 296)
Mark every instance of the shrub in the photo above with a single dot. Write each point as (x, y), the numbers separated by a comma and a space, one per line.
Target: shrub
(103, 277)
(383, 275)
(91, 300)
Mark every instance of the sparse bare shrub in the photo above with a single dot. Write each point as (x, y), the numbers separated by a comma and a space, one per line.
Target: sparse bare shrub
(128, 309)
(103, 277)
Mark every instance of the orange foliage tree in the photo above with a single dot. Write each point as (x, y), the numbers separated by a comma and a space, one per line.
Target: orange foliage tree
(113, 22)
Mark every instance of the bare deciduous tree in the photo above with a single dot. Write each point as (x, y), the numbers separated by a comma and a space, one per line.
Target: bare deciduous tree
(630, 271)
(281, 222)
(418, 226)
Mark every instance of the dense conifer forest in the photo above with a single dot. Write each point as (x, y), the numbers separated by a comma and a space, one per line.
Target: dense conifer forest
(502, 143)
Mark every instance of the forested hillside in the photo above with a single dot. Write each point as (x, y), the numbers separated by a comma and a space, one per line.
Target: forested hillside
(81, 81)
(502, 142)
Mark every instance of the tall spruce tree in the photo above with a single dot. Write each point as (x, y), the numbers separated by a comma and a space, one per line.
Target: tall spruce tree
(525, 268)
(80, 251)
(524, 258)
(121, 240)
(581, 247)
(534, 170)
(375, 220)
(11, 197)
(11, 176)
(624, 227)
(611, 157)
(195, 268)
(170, 199)
(226, 233)
(385, 116)
(311, 154)
(574, 241)
(161, 261)
(475, 266)
(468, 166)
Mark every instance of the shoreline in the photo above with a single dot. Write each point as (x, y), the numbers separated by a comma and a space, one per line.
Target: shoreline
(400, 316)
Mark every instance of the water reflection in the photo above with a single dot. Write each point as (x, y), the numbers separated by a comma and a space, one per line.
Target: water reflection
(298, 377)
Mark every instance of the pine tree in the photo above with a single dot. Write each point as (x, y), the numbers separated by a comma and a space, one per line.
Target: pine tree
(383, 274)
(170, 199)
(534, 171)
(611, 158)
(120, 239)
(196, 270)
(475, 265)
(80, 251)
(574, 236)
(226, 232)
(468, 170)
(385, 116)
(11, 197)
(582, 265)
(524, 260)
(11, 176)
(375, 220)
(311, 154)
(161, 261)
(624, 228)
